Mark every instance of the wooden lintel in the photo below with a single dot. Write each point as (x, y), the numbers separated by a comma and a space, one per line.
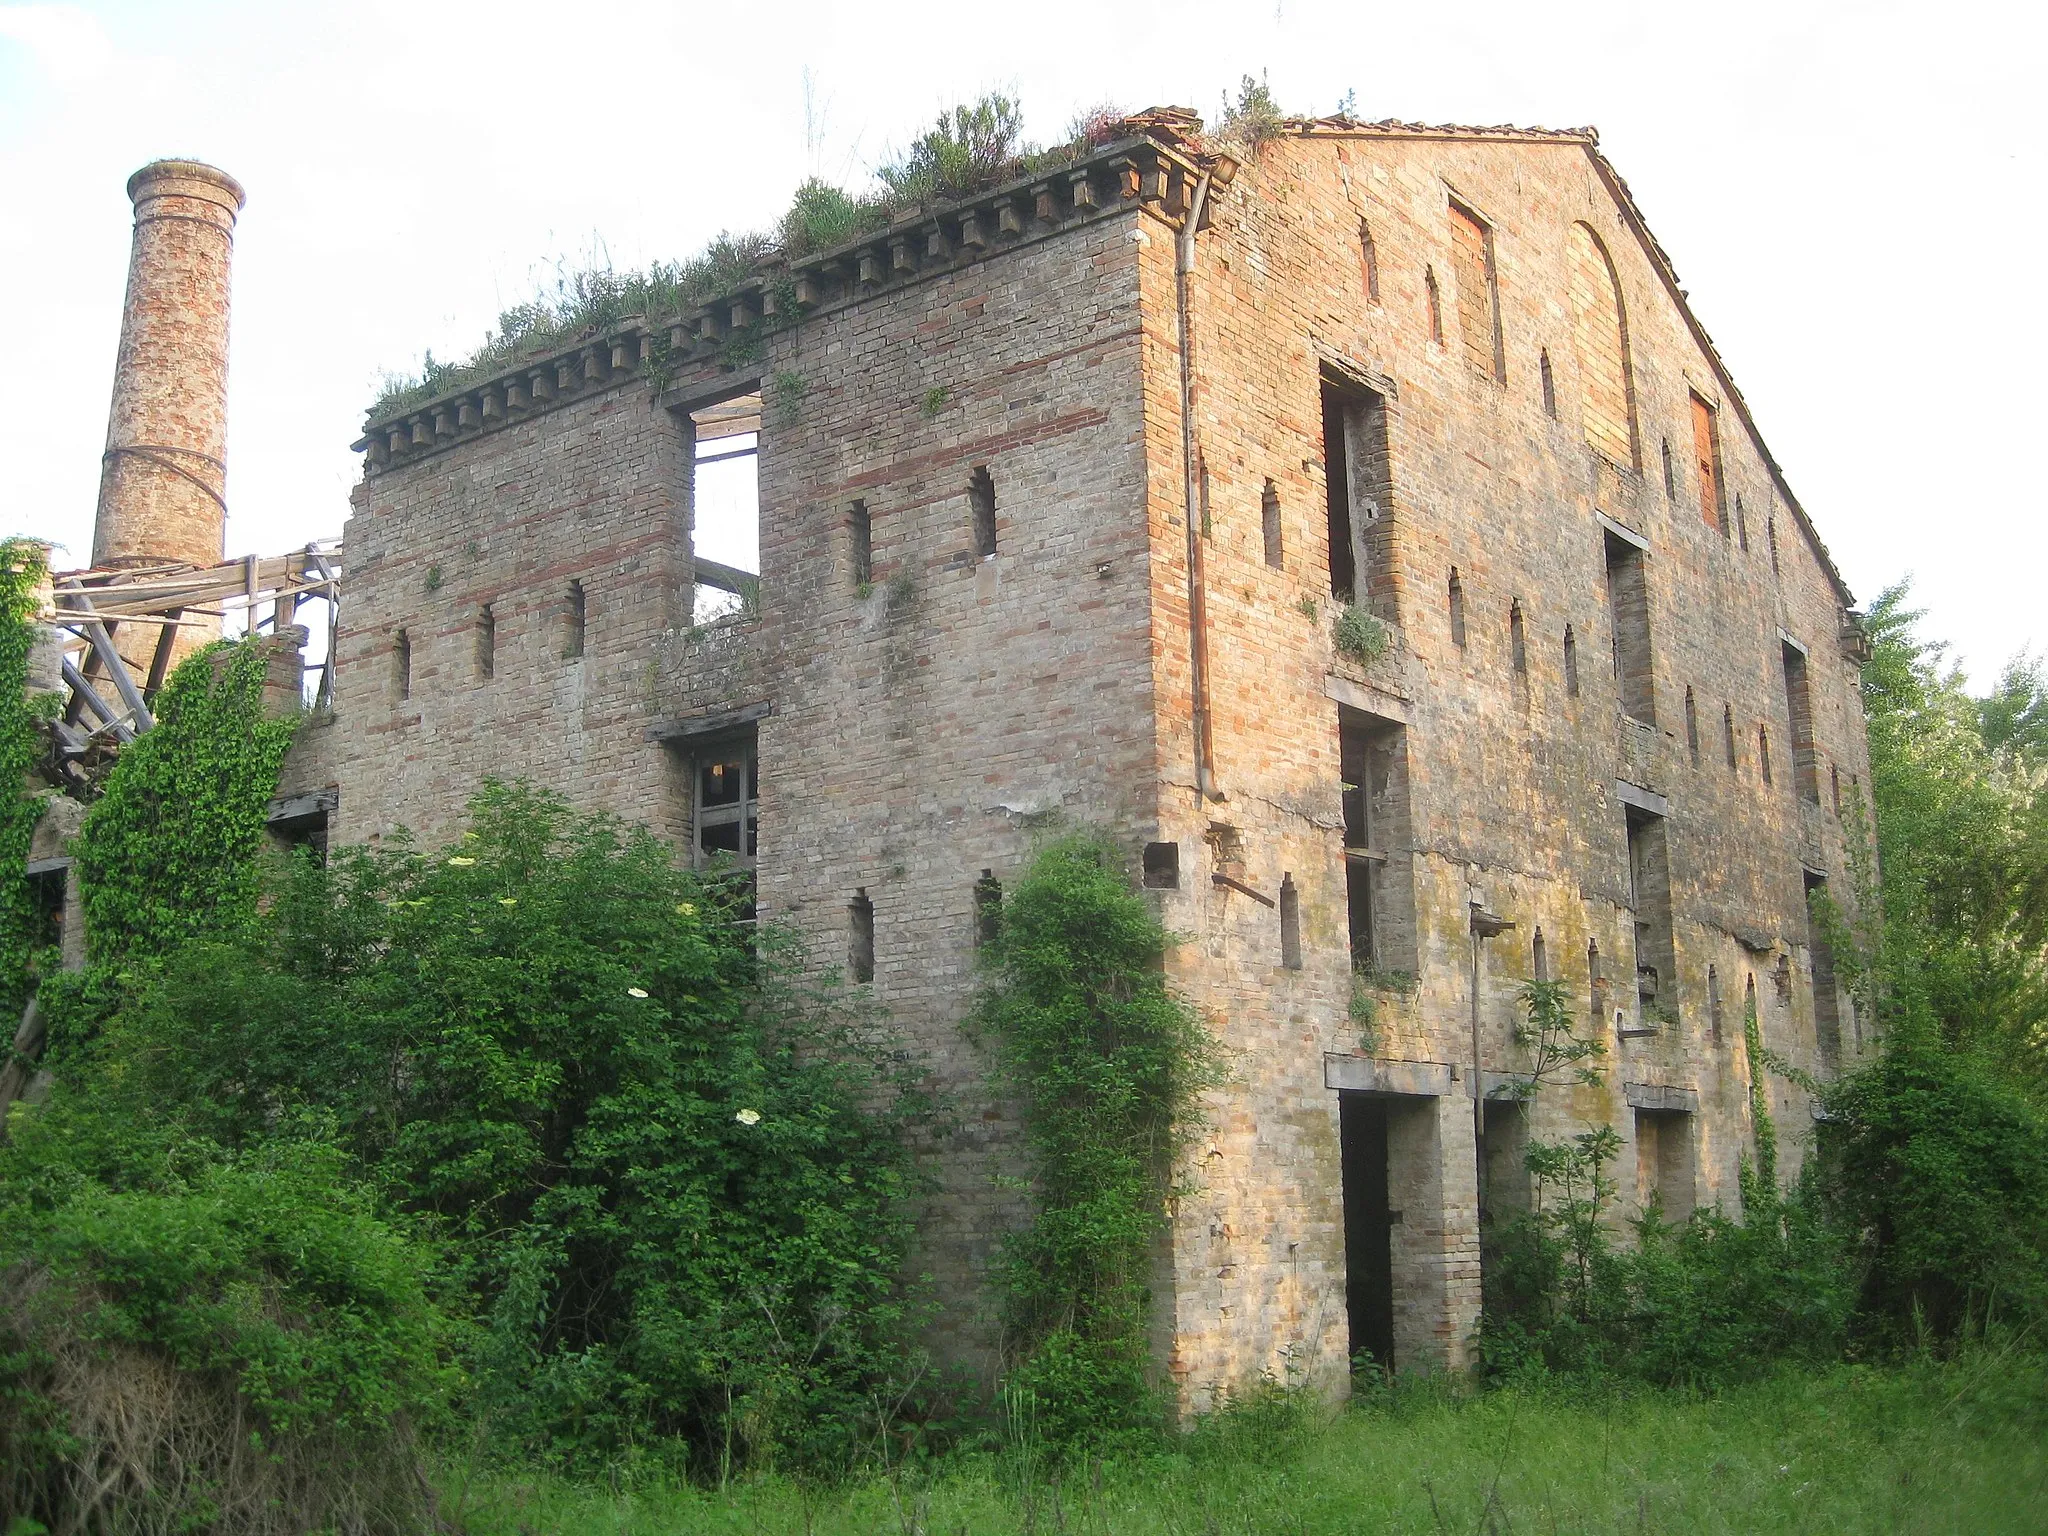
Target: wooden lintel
(1241, 888)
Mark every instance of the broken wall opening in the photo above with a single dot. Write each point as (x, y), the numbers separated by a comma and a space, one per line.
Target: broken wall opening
(1827, 1003)
(1649, 880)
(1628, 607)
(1379, 841)
(1799, 705)
(1666, 1170)
(1359, 488)
(722, 444)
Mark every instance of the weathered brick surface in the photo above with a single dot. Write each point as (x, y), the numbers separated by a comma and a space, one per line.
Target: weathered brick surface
(924, 729)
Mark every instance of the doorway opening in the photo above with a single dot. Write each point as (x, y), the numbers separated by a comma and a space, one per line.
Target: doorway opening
(1368, 1231)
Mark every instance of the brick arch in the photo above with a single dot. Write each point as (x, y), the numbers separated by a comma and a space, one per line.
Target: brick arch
(1607, 393)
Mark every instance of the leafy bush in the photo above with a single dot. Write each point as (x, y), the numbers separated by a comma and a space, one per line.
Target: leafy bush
(1109, 1065)
(236, 1344)
(1940, 1169)
(672, 1185)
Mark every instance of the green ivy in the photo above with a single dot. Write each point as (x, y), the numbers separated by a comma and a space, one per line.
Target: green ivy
(1109, 1064)
(1759, 1185)
(168, 852)
(21, 568)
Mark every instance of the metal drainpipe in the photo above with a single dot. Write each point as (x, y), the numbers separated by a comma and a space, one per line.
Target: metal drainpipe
(1198, 617)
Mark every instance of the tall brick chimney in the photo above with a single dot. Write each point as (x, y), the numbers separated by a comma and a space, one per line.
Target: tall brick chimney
(164, 476)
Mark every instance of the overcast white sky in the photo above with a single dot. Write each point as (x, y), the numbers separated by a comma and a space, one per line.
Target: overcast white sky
(1852, 193)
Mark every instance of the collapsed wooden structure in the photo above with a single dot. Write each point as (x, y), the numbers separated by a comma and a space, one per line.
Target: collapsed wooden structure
(109, 690)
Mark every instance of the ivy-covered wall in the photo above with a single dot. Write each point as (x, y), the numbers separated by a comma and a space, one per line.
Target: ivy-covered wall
(21, 569)
(168, 851)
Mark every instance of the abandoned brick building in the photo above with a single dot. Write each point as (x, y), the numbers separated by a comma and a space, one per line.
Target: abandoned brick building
(1066, 494)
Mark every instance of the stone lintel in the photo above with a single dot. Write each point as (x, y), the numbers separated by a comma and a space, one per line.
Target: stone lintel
(300, 807)
(1366, 698)
(704, 727)
(1659, 1096)
(1642, 799)
(1623, 532)
(1371, 1074)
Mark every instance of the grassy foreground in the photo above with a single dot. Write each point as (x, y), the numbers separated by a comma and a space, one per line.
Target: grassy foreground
(1933, 1448)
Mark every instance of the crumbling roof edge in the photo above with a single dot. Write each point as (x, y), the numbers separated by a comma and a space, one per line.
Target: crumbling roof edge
(1660, 259)
(1171, 153)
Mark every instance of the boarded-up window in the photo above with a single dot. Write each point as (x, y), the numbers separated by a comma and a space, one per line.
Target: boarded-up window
(1706, 463)
(1478, 312)
(1600, 337)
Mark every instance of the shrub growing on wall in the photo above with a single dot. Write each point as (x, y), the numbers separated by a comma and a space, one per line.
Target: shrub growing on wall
(1108, 1064)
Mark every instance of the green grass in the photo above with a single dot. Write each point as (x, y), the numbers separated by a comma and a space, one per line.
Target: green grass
(1926, 1448)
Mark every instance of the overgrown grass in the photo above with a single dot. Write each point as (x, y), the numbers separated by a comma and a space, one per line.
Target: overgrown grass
(1925, 1447)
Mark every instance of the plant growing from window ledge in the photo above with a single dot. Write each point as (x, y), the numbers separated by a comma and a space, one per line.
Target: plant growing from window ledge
(1358, 635)
(1557, 1054)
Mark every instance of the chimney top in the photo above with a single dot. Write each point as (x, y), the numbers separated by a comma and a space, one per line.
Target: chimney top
(211, 183)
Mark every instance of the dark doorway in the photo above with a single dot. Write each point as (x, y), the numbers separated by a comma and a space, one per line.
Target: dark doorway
(1368, 1223)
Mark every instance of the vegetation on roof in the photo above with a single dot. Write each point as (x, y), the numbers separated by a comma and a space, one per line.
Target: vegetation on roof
(968, 150)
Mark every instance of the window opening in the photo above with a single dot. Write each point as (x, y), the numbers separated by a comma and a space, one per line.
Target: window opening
(1649, 871)
(860, 545)
(1835, 787)
(1436, 305)
(1549, 383)
(1457, 600)
(1692, 726)
(1596, 986)
(1378, 842)
(1269, 523)
(486, 643)
(1728, 731)
(1771, 535)
(1571, 663)
(1706, 454)
(860, 943)
(1518, 641)
(1799, 706)
(1741, 524)
(1670, 473)
(1763, 751)
(988, 908)
(1628, 603)
(1600, 337)
(1827, 999)
(1162, 866)
(1370, 256)
(981, 497)
(1358, 485)
(723, 459)
(1714, 1004)
(1478, 293)
(575, 617)
(1290, 923)
(1539, 958)
(401, 664)
(728, 820)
